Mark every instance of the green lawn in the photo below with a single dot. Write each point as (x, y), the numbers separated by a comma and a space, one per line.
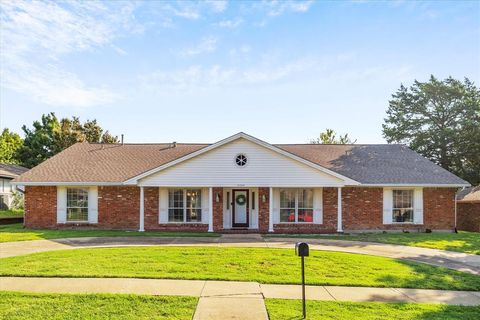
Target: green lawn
(94, 306)
(463, 241)
(11, 213)
(330, 310)
(242, 264)
(16, 232)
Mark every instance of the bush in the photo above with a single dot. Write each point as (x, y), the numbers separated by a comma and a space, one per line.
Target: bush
(17, 202)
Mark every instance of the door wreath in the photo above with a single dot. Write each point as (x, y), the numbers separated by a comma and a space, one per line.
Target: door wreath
(240, 199)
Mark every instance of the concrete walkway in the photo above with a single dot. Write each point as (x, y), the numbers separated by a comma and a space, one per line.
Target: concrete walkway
(453, 260)
(229, 299)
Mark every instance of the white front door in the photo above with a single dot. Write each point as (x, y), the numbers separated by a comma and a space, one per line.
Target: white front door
(240, 208)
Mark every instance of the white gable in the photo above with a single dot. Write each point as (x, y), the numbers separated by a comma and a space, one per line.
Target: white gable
(265, 168)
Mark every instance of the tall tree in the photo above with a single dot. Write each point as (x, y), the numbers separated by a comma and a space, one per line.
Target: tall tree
(40, 141)
(50, 135)
(441, 121)
(10, 143)
(329, 136)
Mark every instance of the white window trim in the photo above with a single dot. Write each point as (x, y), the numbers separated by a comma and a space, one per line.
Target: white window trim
(92, 206)
(87, 206)
(184, 190)
(296, 205)
(413, 206)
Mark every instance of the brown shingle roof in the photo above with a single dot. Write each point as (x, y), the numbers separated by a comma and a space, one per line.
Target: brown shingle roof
(86, 162)
(115, 163)
(375, 163)
(11, 170)
(471, 194)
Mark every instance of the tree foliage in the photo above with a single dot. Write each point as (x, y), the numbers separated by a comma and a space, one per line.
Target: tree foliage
(10, 143)
(441, 121)
(50, 135)
(329, 136)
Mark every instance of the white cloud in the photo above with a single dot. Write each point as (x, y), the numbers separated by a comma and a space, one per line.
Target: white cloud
(55, 87)
(206, 45)
(190, 10)
(36, 35)
(244, 49)
(187, 12)
(233, 23)
(279, 7)
(271, 71)
(220, 76)
(217, 5)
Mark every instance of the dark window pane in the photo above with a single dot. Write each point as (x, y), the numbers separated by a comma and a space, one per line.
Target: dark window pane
(305, 198)
(287, 215)
(305, 215)
(77, 214)
(194, 198)
(287, 199)
(175, 198)
(194, 215)
(402, 215)
(175, 215)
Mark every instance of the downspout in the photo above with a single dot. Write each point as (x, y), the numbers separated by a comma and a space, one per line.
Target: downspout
(456, 193)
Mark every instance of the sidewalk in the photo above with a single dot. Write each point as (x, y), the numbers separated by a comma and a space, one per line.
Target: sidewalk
(234, 289)
(453, 260)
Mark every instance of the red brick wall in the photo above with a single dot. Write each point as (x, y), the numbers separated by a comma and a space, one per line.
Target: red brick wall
(217, 209)
(363, 210)
(40, 207)
(124, 213)
(439, 208)
(118, 207)
(263, 209)
(468, 216)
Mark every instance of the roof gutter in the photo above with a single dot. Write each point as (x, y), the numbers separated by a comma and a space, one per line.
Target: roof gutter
(431, 185)
(66, 183)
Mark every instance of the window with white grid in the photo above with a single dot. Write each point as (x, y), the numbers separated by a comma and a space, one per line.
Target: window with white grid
(184, 205)
(402, 206)
(77, 205)
(296, 205)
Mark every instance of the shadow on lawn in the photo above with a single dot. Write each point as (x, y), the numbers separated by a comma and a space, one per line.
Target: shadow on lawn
(446, 280)
(337, 310)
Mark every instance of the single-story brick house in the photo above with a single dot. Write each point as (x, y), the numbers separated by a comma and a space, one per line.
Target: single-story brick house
(240, 184)
(468, 209)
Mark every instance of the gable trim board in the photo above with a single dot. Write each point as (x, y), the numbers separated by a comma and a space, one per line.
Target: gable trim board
(135, 180)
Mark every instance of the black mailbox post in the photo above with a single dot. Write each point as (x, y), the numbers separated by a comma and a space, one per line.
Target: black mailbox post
(302, 250)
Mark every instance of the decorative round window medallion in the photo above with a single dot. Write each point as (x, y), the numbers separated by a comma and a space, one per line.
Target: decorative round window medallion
(241, 160)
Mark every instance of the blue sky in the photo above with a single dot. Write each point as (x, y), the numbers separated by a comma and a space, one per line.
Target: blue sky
(282, 71)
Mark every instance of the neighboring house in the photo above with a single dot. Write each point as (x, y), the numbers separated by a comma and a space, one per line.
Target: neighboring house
(240, 184)
(468, 209)
(7, 173)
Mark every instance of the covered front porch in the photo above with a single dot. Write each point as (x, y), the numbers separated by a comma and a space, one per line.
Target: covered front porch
(241, 209)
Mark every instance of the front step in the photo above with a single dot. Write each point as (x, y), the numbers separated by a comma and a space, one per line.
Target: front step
(240, 231)
(244, 236)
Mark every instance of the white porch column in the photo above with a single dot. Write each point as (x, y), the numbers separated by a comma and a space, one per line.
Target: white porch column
(270, 210)
(339, 210)
(210, 209)
(141, 228)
